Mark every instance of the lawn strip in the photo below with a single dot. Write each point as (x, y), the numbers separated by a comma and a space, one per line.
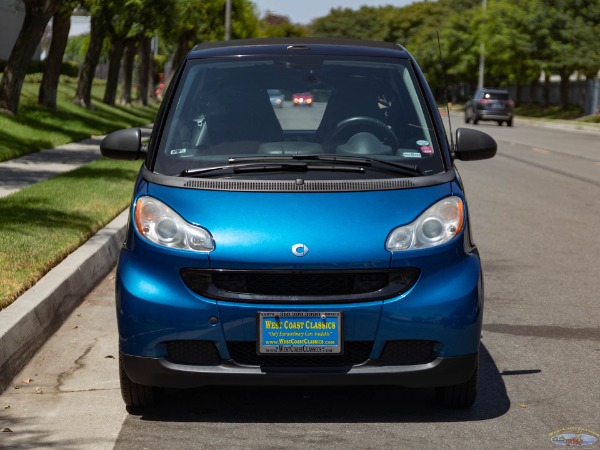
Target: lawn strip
(42, 224)
(36, 128)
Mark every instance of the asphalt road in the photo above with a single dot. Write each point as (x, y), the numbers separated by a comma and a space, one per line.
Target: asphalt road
(535, 213)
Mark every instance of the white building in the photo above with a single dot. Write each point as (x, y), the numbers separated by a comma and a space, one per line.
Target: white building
(12, 14)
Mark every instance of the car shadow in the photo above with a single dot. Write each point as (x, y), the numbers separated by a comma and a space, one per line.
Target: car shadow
(360, 404)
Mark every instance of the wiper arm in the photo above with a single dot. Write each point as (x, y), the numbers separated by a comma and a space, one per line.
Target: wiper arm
(412, 169)
(406, 169)
(269, 167)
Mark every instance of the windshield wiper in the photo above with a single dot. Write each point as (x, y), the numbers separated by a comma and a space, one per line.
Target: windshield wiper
(267, 166)
(406, 169)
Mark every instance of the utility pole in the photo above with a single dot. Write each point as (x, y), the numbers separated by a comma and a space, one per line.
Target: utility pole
(481, 53)
(228, 20)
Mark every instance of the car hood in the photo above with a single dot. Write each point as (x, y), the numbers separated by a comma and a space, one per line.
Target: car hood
(332, 230)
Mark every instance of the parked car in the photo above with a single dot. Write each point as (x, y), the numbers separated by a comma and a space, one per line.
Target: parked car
(302, 99)
(276, 97)
(490, 104)
(335, 251)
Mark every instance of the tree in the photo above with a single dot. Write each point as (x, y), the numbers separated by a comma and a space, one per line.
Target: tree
(204, 21)
(118, 31)
(37, 16)
(98, 31)
(144, 70)
(575, 50)
(515, 37)
(274, 25)
(127, 71)
(365, 23)
(61, 24)
(416, 27)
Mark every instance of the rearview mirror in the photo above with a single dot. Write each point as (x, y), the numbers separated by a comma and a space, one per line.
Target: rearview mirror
(123, 144)
(473, 145)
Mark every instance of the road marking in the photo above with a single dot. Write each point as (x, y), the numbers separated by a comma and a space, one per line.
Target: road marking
(541, 151)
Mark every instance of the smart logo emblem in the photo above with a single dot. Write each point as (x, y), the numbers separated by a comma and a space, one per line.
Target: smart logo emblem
(299, 250)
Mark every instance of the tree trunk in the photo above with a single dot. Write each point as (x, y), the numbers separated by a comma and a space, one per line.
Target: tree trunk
(83, 95)
(114, 66)
(152, 82)
(144, 71)
(564, 89)
(183, 47)
(533, 90)
(61, 24)
(37, 15)
(547, 90)
(127, 71)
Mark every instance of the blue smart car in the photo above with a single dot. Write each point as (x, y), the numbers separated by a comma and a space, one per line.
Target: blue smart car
(328, 245)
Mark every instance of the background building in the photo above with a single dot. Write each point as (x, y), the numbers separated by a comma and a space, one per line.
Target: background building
(12, 14)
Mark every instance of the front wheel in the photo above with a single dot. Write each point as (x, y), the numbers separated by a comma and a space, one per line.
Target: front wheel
(460, 395)
(136, 395)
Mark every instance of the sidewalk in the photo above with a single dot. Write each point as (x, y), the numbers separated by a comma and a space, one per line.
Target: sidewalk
(38, 313)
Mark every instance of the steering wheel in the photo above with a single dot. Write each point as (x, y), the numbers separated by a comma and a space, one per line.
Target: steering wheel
(365, 123)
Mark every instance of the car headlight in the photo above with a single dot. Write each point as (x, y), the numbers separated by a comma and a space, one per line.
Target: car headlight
(160, 224)
(438, 225)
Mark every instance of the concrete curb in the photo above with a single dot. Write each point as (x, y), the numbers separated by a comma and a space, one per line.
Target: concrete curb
(27, 323)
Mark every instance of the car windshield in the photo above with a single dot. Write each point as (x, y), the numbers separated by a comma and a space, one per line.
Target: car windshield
(279, 108)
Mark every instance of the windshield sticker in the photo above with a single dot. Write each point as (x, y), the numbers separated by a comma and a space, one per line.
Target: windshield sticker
(422, 142)
(411, 155)
(178, 151)
(427, 150)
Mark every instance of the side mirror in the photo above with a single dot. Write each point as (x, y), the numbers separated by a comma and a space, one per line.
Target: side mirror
(123, 144)
(472, 145)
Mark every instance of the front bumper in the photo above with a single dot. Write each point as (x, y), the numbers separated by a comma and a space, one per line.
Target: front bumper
(493, 115)
(162, 373)
(443, 310)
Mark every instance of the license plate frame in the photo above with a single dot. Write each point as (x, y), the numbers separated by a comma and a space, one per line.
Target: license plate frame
(299, 332)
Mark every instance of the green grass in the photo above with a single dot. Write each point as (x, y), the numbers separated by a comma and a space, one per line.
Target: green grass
(591, 119)
(552, 112)
(36, 128)
(43, 223)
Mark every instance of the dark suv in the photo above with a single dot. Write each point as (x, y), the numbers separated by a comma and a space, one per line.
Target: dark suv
(490, 104)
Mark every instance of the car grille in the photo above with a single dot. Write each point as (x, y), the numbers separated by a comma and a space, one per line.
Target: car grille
(200, 353)
(205, 353)
(399, 353)
(272, 286)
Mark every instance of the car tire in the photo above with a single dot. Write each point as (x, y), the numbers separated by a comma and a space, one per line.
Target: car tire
(136, 395)
(509, 122)
(460, 395)
(467, 120)
(475, 120)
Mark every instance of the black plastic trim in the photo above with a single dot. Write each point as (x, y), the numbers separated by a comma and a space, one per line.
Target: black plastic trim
(162, 373)
(240, 184)
(398, 282)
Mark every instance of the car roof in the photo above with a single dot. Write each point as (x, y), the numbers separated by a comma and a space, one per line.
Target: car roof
(317, 46)
(502, 90)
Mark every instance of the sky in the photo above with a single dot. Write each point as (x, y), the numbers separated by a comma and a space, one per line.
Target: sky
(303, 11)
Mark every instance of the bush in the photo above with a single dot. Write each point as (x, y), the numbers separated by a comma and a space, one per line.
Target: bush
(69, 68)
